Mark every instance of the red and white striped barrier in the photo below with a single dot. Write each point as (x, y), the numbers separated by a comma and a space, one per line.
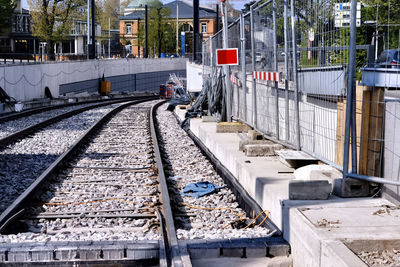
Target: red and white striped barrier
(235, 80)
(267, 76)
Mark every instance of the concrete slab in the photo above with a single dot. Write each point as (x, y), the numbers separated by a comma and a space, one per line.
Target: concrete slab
(240, 262)
(315, 229)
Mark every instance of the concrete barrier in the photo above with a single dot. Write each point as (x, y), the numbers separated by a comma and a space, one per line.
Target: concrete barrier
(27, 81)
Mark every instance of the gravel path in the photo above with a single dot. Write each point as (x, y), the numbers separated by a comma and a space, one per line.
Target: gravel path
(381, 258)
(88, 190)
(186, 164)
(13, 126)
(25, 160)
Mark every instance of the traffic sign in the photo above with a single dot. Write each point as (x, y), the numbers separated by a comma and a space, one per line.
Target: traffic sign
(343, 13)
(228, 56)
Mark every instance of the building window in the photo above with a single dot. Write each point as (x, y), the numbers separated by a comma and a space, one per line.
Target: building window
(128, 28)
(204, 28)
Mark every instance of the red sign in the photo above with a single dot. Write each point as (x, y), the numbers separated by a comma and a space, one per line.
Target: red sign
(229, 56)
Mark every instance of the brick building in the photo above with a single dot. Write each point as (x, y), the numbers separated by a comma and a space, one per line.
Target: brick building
(134, 15)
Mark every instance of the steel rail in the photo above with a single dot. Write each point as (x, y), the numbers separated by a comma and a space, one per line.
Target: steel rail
(12, 138)
(12, 212)
(14, 116)
(173, 250)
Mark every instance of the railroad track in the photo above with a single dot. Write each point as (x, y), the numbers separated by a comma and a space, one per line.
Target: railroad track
(106, 199)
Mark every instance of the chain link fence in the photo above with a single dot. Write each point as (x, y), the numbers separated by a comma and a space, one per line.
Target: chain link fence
(292, 83)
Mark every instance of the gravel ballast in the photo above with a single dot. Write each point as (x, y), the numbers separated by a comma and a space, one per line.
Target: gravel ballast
(210, 216)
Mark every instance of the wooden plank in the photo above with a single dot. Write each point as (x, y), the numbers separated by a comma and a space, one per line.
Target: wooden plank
(363, 159)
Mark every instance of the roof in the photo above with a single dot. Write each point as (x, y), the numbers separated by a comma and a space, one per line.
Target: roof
(185, 11)
(140, 3)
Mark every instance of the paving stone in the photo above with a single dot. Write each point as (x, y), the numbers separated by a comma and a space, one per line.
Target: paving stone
(244, 142)
(233, 252)
(204, 253)
(232, 127)
(261, 150)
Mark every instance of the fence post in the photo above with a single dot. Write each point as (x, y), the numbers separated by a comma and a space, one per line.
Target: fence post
(243, 63)
(285, 30)
(350, 130)
(295, 83)
(226, 67)
(276, 70)
(253, 62)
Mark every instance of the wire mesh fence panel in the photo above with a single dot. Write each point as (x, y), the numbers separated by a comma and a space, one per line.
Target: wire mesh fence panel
(264, 63)
(235, 70)
(308, 46)
(322, 42)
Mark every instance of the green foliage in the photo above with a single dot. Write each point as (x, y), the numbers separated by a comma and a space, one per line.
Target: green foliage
(161, 31)
(6, 11)
(52, 19)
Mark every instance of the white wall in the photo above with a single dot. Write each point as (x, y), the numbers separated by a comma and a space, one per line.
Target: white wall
(26, 82)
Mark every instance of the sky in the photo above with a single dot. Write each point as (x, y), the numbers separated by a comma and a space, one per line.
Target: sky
(238, 4)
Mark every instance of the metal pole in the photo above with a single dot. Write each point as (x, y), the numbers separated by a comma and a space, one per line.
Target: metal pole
(88, 29)
(146, 29)
(226, 67)
(350, 124)
(295, 83)
(243, 63)
(93, 35)
(253, 63)
(276, 70)
(109, 37)
(177, 28)
(285, 30)
(195, 28)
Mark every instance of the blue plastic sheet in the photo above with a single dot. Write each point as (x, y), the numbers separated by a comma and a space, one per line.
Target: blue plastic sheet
(200, 189)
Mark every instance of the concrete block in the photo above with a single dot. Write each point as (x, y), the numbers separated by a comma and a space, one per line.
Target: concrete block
(66, 253)
(204, 253)
(42, 253)
(254, 135)
(233, 252)
(278, 250)
(315, 172)
(245, 142)
(309, 190)
(90, 253)
(350, 188)
(262, 150)
(232, 127)
(256, 252)
(19, 254)
(208, 119)
(3, 252)
(113, 253)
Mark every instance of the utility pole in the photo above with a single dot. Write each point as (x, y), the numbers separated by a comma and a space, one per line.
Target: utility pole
(177, 28)
(93, 45)
(226, 67)
(195, 28)
(88, 29)
(146, 38)
(109, 37)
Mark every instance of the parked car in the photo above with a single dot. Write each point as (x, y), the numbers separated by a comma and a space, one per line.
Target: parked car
(388, 59)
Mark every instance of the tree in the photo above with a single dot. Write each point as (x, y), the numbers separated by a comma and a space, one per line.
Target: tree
(108, 12)
(6, 12)
(161, 31)
(52, 19)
